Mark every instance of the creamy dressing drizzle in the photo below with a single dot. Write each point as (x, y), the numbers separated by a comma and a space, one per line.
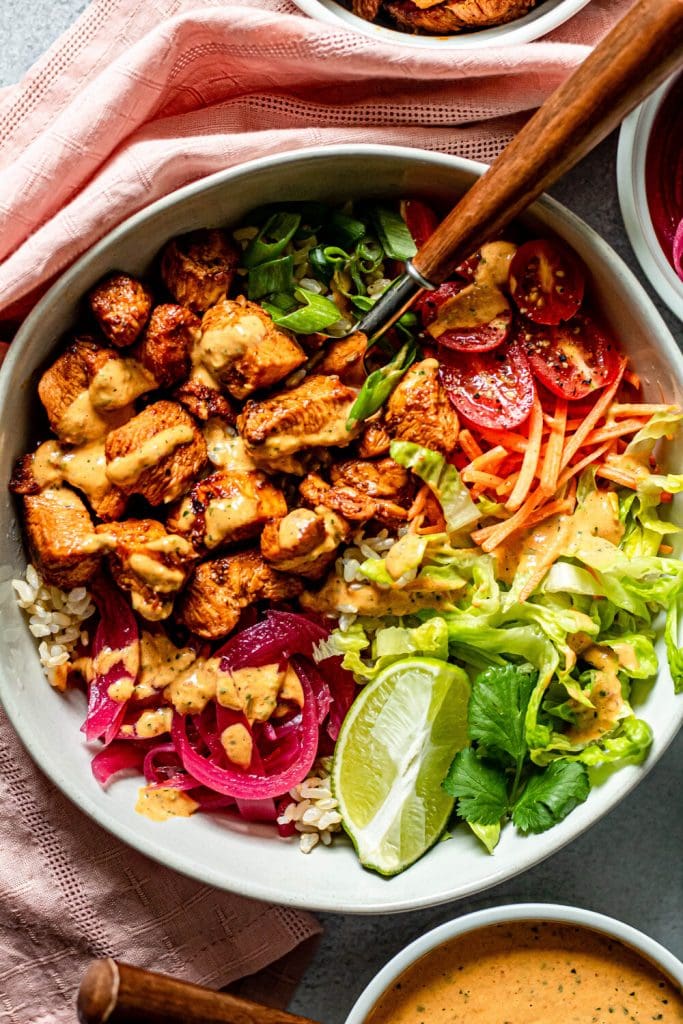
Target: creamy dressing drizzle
(530, 973)
(162, 804)
(225, 448)
(126, 469)
(118, 383)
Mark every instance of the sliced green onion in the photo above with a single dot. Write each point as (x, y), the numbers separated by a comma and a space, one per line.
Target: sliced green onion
(272, 239)
(345, 230)
(369, 254)
(336, 256)
(393, 232)
(362, 302)
(317, 313)
(271, 277)
(321, 268)
(380, 384)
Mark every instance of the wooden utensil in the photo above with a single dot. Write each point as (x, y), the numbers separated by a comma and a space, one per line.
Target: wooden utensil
(116, 993)
(631, 61)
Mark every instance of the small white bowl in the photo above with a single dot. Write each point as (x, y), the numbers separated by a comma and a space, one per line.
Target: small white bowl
(541, 20)
(635, 209)
(668, 964)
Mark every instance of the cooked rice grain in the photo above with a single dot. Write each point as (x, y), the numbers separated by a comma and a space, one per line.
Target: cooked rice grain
(313, 810)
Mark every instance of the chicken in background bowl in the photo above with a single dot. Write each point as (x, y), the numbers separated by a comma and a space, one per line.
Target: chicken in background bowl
(441, 17)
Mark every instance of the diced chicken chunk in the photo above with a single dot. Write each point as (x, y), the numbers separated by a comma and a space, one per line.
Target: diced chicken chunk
(304, 541)
(419, 410)
(243, 350)
(213, 600)
(363, 490)
(121, 305)
(456, 14)
(61, 537)
(204, 401)
(374, 441)
(157, 454)
(149, 562)
(83, 467)
(312, 415)
(64, 390)
(368, 9)
(226, 507)
(166, 348)
(345, 359)
(198, 268)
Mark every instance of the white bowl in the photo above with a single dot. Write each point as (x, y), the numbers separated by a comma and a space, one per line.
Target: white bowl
(509, 914)
(635, 209)
(541, 20)
(245, 858)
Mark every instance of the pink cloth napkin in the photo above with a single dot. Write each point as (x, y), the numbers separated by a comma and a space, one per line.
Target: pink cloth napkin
(135, 100)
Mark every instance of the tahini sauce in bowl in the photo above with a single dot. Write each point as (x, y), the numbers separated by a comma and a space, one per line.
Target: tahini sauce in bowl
(530, 972)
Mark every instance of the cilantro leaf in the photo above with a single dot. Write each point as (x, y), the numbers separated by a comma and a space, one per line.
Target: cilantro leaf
(480, 789)
(551, 795)
(500, 697)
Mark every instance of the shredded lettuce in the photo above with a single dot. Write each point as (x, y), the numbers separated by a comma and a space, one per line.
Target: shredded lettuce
(443, 480)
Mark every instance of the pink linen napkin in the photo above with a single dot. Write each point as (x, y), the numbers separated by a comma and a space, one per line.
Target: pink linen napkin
(135, 100)
(138, 99)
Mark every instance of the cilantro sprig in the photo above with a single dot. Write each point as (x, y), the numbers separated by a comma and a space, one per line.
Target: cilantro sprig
(494, 778)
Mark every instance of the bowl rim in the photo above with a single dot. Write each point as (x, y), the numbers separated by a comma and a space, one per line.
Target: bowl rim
(634, 138)
(629, 936)
(268, 889)
(514, 33)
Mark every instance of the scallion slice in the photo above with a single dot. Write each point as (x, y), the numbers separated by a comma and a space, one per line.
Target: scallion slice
(380, 384)
(321, 267)
(316, 314)
(393, 232)
(271, 277)
(272, 239)
(345, 230)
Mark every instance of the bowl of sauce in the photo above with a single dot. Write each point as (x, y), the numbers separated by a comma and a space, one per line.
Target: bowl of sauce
(527, 964)
(650, 183)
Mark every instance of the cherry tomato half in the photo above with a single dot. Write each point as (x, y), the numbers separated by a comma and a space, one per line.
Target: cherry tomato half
(477, 319)
(546, 282)
(420, 220)
(491, 389)
(571, 359)
(429, 303)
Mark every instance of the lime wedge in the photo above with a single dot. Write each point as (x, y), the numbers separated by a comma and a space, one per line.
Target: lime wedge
(393, 752)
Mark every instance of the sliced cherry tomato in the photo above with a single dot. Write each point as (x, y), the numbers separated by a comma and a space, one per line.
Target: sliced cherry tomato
(420, 219)
(477, 319)
(571, 359)
(546, 282)
(429, 303)
(491, 389)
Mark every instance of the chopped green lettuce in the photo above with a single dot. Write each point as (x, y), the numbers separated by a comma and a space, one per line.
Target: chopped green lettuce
(443, 480)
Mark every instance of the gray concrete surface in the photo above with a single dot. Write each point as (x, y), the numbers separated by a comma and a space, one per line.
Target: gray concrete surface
(629, 865)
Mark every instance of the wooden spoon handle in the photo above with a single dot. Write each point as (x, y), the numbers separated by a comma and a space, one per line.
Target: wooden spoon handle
(116, 993)
(631, 61)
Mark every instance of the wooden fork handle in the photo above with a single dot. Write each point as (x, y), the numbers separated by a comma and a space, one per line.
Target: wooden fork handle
(116, 993)
(631, 61)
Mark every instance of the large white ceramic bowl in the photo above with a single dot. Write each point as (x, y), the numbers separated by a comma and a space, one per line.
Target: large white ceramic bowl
(541, 20)
(511, 914)
(244, 858)
(634, 139)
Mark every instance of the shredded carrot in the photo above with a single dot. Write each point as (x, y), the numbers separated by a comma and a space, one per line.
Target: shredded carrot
(425, 530)
(553, 454)
(618, 476)
(551, 508)
(665, 549)
(578, 439)
(418, 505)
(507, 438)
(487, 462)
(632, 378)
(531, 457)
(469, 445)
(550, 554)
(618, 409)
(572, 471)
(485, 479)
(507, 486)
(491, 536)
(612, 431)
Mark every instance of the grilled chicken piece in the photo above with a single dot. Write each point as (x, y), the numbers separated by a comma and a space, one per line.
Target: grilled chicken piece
(368, 9)
(374, 441)
(350, 502)
(225, 447)
(83, 467)
(198, 268)
(157, 454)
(304, 542)
(203, 401)
(149, 562)
(419, 410)
(121, 305)
(63, 544)
(243, 350)
(345, 359)
(213, 600)
(456, 15)
(167, 344)
(313, 415)
(381, 479)
(64, 391)
(226, 507)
